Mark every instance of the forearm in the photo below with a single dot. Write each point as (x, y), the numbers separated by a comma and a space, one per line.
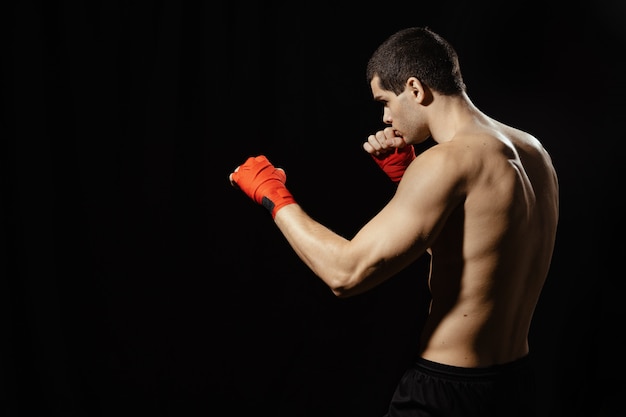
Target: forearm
(325, 252)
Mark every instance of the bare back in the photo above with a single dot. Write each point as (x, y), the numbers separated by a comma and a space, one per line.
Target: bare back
(485, 289)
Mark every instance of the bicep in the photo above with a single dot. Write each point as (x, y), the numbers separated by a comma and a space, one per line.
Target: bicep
(407, 226)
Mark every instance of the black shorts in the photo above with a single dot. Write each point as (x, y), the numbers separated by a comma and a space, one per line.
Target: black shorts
(430, 389)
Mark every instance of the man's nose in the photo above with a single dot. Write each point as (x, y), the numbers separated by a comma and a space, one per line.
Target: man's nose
(386, 117)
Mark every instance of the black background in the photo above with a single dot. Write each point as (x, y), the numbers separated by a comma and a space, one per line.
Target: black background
(136, 281)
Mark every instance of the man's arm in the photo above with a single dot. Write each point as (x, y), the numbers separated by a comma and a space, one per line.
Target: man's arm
(400, 233)
(350, 267)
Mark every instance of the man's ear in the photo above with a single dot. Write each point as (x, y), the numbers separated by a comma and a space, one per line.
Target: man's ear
(420, 91)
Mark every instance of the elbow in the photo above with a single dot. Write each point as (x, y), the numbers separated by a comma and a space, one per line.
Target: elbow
(340, 288)
(347, 287)
(339, 282)
(345, 292)
(351, 281)
(341, 292)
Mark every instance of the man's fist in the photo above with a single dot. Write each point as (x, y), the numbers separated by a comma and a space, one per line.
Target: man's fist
(263, 183)
(395, 163)
(390, 152)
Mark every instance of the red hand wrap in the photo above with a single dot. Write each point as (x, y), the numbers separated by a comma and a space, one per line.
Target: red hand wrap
(394, 164)
(263, 183)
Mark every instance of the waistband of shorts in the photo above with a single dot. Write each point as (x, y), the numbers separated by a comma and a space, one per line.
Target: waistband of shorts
(440, 369)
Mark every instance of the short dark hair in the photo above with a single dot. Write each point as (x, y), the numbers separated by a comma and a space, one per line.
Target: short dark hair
(416, 52)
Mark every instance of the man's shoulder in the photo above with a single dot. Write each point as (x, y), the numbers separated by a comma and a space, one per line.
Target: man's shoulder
(442, 165)
(467, 158)
(461, 148)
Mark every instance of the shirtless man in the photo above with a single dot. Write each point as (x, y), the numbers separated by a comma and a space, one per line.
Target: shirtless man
(483, 202)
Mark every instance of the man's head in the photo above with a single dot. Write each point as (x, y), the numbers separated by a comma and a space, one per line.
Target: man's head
(416, 52)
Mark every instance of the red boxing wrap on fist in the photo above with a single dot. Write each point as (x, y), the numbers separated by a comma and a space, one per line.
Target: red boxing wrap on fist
(263, 183)
(394, 164)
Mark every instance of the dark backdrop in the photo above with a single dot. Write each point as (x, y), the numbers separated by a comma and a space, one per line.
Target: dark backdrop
(136, 281)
